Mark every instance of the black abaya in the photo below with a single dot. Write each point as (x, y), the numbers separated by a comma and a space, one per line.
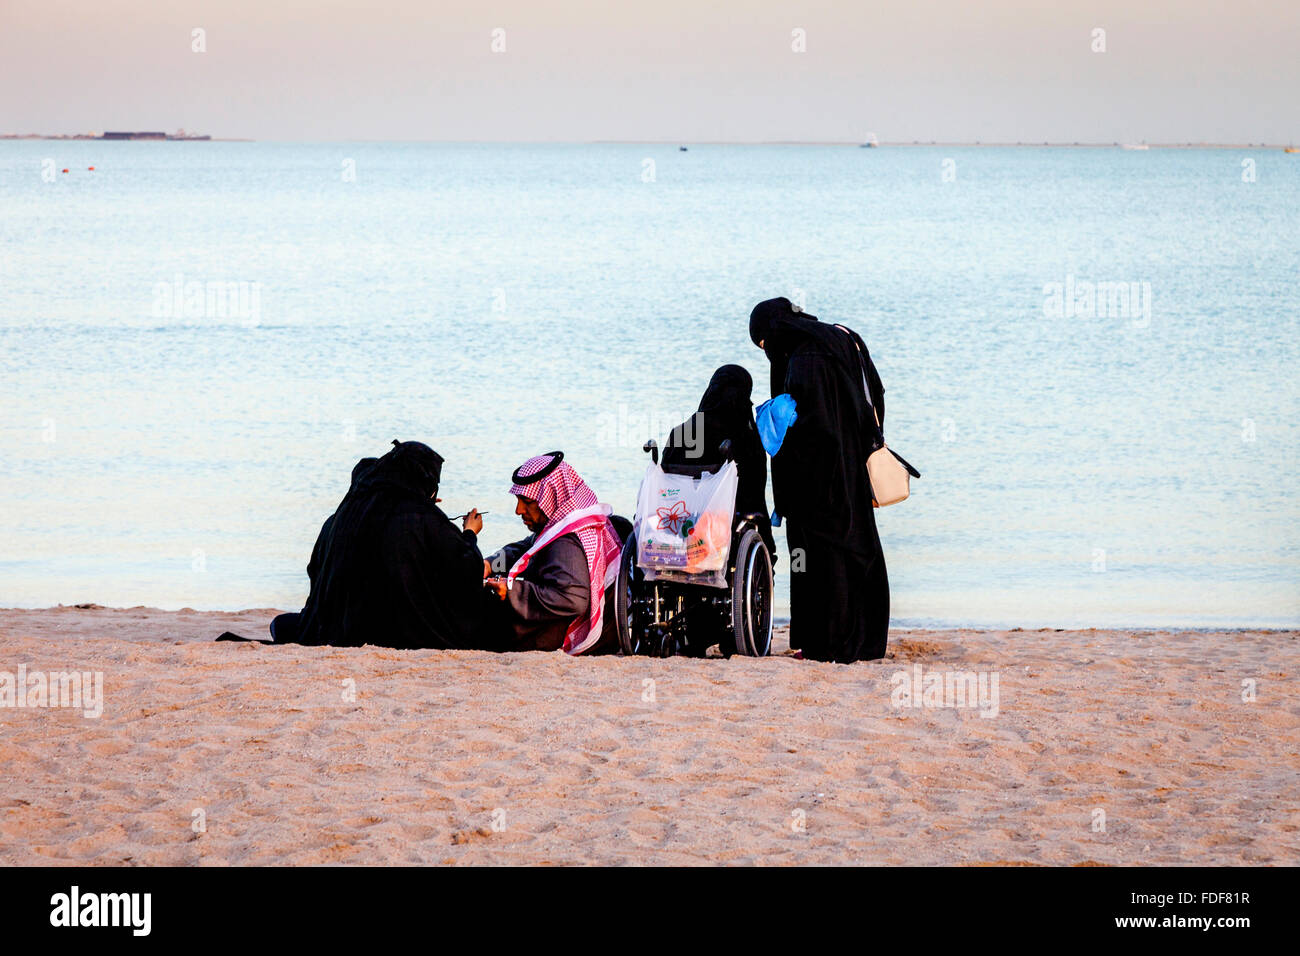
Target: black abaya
(727, 414)
(318, 549)
(839, 587)
(391, 568)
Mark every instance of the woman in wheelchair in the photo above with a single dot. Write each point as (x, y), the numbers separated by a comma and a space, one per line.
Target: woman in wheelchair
(726, 413)
(663, 611)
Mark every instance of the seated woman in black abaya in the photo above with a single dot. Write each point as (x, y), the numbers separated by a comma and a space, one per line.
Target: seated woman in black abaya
(389, 568)
(726, 413)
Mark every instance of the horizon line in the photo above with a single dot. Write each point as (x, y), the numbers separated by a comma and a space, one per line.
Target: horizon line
(85, 137)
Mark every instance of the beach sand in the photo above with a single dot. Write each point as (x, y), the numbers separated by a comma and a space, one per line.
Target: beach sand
(465, 757)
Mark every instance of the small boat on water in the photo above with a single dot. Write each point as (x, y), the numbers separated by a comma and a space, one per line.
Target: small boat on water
(871, 142)
(1291, 149)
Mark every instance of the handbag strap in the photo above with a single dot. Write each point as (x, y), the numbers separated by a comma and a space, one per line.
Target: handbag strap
(866, 390)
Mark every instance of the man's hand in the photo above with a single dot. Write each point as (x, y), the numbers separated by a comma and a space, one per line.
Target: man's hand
(497, 585)
(473, 521)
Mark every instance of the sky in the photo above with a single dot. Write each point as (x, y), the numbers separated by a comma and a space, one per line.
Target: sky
(667, 70)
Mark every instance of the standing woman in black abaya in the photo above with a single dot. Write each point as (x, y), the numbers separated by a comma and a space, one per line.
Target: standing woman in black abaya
(839, 588)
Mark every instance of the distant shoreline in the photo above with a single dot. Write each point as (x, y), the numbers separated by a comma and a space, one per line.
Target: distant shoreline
(81, 137)
(87, 138)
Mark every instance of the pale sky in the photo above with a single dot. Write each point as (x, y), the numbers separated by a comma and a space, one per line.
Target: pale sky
(672, 70)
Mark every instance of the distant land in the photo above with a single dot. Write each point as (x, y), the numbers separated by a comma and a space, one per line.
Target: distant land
(182, 136)
(147, 135)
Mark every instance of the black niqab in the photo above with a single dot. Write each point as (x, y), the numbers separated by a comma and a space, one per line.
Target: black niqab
(782, 330)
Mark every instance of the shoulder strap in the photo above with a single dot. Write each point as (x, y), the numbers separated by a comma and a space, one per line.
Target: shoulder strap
(866, 389)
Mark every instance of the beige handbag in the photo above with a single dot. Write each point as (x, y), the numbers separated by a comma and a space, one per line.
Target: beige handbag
(890, 476)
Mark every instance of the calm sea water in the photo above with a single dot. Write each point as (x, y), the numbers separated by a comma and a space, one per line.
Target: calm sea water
(1136, 468)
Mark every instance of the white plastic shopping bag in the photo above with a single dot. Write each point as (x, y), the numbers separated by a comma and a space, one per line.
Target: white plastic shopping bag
(683, 524)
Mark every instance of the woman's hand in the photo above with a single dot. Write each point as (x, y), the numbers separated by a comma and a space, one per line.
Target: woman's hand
(497, 585)
(473, 521)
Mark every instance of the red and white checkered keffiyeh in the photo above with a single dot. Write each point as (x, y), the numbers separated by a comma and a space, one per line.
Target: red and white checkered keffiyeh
(572, 508)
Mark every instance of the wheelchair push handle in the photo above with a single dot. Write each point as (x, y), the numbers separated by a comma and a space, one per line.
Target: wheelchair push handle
(651, 448)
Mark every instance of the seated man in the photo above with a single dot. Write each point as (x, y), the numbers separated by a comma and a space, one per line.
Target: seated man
(390, 568)
(550, 577)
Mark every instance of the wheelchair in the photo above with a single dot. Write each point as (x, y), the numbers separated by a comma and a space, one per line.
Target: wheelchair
(682, 613)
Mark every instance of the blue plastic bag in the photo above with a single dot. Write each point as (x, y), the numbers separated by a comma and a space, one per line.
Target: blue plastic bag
(774, 418)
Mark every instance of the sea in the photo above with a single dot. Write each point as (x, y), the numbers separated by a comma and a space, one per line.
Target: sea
(1090, 354)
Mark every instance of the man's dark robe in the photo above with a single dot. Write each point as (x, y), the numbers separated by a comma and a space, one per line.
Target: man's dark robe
(839, 587)
(390, 569)
(544, 600)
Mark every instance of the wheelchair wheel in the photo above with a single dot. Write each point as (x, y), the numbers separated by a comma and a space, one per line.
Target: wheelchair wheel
(631, 633)
(751, 597)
